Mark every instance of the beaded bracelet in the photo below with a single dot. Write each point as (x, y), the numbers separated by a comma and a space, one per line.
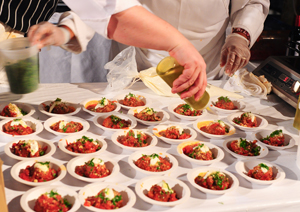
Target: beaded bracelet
(242, 32)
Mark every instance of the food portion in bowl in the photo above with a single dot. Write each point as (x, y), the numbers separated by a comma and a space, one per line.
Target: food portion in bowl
(101, 106)
(115, 122)
(261, 172)
(28, 148)
(246, 119)
(225, 103)
(84, 145)
(153, 163)
(12, 110)
(216, 128)
(175, 132)
(147, 114)
(52, 201)
(94, 168)
(59, 107)
(107, 198)
(38, 172)
(187, 110)
(162, 192)
(17, 127)
(198, 151)
(132, 100)
(134, 138)
(244, 147)
(66, 127)
(276, 138)
(214, 180)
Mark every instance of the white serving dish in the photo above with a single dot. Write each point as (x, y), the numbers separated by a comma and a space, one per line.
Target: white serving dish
(24, 106)
(237, 102)
(143, 97)
(184, 117)
(85, 102)
(261, 122)
(75, 105)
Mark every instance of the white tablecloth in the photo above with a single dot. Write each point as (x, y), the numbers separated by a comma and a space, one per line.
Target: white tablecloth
(284, 196)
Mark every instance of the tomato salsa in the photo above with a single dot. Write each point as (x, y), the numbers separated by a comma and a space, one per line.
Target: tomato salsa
(132, 100)
(187, 110)
(147, 114)
(198, 151)
(94, 168)
(17, 127)
(246, 120)
(174, 132)
(225, 103)
(214, 180)
(216, 128)
(107, 198)
(29, 148)
(38, 172)
(115, 122)
(162, 192)
(134, 139)
(102, 106)
(66, 127)
(153, 163)
(59, 107)
(261, 172)
(244, 147)
(84, 145)
(12, 110)
(276, 138)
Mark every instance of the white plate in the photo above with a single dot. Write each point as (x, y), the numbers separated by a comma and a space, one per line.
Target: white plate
(49, 122)
(138, 154)
(43, 143)
(161, 113)
(144, 185)
(237, 102)
(24, 106)
(216, 151)
(143, 97)
(193, 173)
(186, 129)
(263, 151)
(289, 141)
(15, 170)
(84, 104)
(152, 140)
(200, 123)
(62, 143)
(111, 165)
(261, 122)
(75, 105)
(93, 189)
(35, 124)
(98, 120)
(190, 118)
(243, 167)
(29, 198)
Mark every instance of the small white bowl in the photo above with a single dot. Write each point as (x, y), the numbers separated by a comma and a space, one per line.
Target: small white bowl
(93, 189)
(238, 103)
(180, 116)
(143, 97)
(261, 122)
(49, 122)
(43, 143)
(216, 151)
(144, 185)
(193, 173)
(98, 120)
(186, 129)
(161, 113)
(62, 143)
(84, 104)
(24, 106)
(35, 124)
(111, 165)
(29, 198)
(200, 123)
(263, 149)
(243, 167)
(152, 140)
(75, 105)
(15, 170)
(289, 141)
(138, 154)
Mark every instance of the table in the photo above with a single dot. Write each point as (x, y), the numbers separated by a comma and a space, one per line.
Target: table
(248, 197)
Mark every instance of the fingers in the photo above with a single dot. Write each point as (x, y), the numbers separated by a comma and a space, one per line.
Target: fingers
(185, 80)
(229, 63)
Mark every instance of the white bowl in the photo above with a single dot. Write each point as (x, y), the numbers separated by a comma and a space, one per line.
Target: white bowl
(186, 129)
(193, 173)
(93, 189)
(138, 154)
(216, 151)
(85, 102)
(62, 143)
(75, 105)
(98, 120)
(263, 151)
(111, 165)
(43, 143)
(243, 167)
(143, 97)
(161, 113)
(289, 141)
(152, 140)
(200, 123)
(261, 122)
(49, 122)
(29, 198)
(144, 185)
(15, 170)
(238, 103)
(180, 116)
(24, 106)
(35, 124)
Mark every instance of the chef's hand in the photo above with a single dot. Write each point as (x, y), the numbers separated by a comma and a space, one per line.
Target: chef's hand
(46, 34)
(235, 53)
(194, 73)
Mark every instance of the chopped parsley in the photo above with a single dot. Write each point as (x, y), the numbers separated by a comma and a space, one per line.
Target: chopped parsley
(57, 100)
(115, 119)
(23, 112)
(218, 179)
(225, 99)
(44, 163)
(262, 165)
(90, 163)
(154, 155)
(102, 101)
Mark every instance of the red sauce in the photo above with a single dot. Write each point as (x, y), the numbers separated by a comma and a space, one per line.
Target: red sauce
(276, 138)
(157, 193)
(194, 151)
(16, 129)
(144, 163)
(51, 202)
(32, 174)
(215, 128)
(225, 103)
(258, 174)
(132, 100)
(173, 133)
(22, 149)
(9, 112)
(70, 127)
(99, 201)
(246, 148)
(215, 181)
(132, 140)
(111, 106)
(145, 116)
(92, 170)
(83, 145)
(115, 122)
(245, 120)
(186, 110)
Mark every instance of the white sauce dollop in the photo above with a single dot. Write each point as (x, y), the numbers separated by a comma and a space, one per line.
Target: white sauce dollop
(109, 193)
(62, 124)
(42, 167)
(34, 146)
(18, 122)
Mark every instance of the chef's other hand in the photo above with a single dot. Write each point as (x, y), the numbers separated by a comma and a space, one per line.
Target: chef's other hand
(46, 34)
(235, 53)
(193, 77)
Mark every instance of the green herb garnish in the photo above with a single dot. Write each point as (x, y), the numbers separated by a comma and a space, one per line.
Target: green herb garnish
(262, 165)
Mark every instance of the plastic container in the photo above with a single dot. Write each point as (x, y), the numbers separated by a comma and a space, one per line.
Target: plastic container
(20, 61)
